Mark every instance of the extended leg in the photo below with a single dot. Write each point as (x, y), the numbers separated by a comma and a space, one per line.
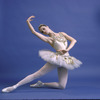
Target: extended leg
(45, 69)
(63, 77)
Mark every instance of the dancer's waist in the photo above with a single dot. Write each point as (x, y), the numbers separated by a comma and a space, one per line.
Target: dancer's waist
(65, 54)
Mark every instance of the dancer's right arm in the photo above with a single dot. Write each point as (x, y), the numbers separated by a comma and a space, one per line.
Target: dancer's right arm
(39, 35)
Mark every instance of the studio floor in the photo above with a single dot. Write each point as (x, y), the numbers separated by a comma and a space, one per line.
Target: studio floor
(80, 87)
(71, 92)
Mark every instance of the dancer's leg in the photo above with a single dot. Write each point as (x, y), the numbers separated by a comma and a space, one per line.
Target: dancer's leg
(63, 77)
(45, 69)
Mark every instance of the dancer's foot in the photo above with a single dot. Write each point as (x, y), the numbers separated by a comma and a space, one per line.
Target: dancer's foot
(9, 89)
(38, 84)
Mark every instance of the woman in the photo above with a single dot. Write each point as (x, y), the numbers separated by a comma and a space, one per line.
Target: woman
(59, 59)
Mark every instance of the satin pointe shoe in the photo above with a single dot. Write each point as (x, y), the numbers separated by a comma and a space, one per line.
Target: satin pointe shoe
(38, 84)
(9, 89)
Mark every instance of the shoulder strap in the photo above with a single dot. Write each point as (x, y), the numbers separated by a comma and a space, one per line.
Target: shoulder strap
(60, 33)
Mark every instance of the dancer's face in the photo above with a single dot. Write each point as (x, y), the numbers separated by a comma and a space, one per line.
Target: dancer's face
(45, 30)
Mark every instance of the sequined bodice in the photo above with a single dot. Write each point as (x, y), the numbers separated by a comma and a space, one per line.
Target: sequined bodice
(60, 42)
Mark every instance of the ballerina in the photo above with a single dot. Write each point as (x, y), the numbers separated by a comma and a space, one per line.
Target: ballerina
(59, 59)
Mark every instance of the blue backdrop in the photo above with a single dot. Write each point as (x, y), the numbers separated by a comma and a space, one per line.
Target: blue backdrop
(19, 47)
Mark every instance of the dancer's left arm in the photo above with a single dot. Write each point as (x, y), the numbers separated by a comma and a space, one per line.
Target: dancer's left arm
(71, 39)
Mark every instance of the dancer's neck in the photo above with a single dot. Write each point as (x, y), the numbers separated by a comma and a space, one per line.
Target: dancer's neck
(52, 33)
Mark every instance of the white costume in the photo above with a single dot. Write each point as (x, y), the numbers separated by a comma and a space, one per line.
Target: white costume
(65, 60)
(53, 58)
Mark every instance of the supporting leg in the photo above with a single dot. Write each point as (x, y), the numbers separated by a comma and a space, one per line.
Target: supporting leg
(63, 77)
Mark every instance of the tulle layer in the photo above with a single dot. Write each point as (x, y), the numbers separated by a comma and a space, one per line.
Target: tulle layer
(65, 60)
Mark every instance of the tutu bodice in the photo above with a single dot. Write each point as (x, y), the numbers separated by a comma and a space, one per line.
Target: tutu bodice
(60, 42)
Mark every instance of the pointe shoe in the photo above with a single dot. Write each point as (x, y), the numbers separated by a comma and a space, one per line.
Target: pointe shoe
(8, 89)
(38, 84)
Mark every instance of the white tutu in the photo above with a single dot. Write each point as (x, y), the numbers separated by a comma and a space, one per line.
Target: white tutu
(56, 58)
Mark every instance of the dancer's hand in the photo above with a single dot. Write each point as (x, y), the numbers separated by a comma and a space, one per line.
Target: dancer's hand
(30, 18)
(62, 51)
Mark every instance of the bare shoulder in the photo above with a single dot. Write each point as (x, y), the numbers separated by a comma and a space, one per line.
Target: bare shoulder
(70, 38)
(64, 33)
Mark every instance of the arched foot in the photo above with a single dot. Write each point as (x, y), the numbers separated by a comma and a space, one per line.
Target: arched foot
(8, 89)
(38, 84)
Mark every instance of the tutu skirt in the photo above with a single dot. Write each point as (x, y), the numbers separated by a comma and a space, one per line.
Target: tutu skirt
(56, 58)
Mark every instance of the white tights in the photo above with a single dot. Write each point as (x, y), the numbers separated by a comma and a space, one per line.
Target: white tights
(62, 75)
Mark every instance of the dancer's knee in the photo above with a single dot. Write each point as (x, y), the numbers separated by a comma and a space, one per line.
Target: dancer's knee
(61, 86)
